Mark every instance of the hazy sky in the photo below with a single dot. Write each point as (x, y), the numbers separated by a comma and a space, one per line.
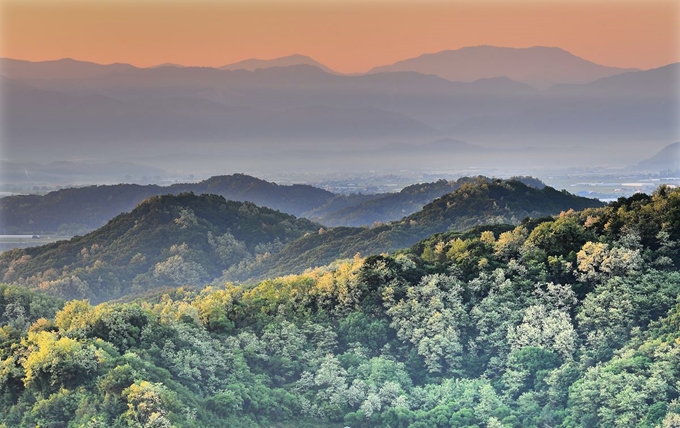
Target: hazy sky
(349, 36)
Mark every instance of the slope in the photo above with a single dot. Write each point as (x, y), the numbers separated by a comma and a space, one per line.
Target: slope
(667, 159)
(463, 330)
(478, 202)
(165, 240)
(91, 207)
(394, 206)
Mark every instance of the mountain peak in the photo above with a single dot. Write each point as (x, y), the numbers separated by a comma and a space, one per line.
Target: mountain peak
(667, 158)
(538, 66)
(253, 64)
(168, 64)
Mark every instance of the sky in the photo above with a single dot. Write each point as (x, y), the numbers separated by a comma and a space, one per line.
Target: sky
(348, 36)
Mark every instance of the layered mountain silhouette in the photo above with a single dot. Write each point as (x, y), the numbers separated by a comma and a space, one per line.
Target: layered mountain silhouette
(640, 103)
(538, 66)
(66, 68)
(119, 108)
(92, 122)
(285, 61)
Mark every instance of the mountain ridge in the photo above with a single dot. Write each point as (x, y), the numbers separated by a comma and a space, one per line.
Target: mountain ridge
(166, 239)
(530, 65)
(64, 68)
(252, 64)
(668, 158)
(185, 238)
(476, 202)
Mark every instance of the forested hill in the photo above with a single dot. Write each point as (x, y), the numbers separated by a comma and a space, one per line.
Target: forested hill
(80, 210)
(566, 322)
(166, 240)
(476, 202)
(87, 208)
(176, 240)
(394, 206)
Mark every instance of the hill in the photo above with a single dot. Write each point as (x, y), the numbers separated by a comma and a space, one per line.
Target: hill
(570, 321)
(667, 159)
(394, 206)
(88, 208)
(79, 210)
(165, 240)
(538, 66)
(474, 203)
(129, 253)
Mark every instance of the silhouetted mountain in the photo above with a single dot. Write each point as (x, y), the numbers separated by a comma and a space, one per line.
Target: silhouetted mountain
(167, 64)
(654, 83)
(285, 61)
(66, 68)
(84, 123)
(74, 210)
(95, 123)
(429, 99)
(165, 240)
(159, 109)
(295, 199)
(538, 66)
(643, 104)
(668, 159)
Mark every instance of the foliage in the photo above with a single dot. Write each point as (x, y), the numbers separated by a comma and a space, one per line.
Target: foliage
(475, 202)
(560, 322)
(166, 240)
(73, 209)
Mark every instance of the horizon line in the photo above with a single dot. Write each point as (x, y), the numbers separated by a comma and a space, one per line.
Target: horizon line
(173, 63)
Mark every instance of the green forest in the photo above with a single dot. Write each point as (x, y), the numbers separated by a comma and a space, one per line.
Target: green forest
(544, 318)
(82, 209)
(188, 239)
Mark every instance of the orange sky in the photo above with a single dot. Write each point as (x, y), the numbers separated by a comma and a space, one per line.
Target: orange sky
(347, 36)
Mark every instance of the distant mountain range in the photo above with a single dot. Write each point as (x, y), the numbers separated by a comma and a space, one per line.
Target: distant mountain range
(537, 66)
(66, 68)
(93, 109)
